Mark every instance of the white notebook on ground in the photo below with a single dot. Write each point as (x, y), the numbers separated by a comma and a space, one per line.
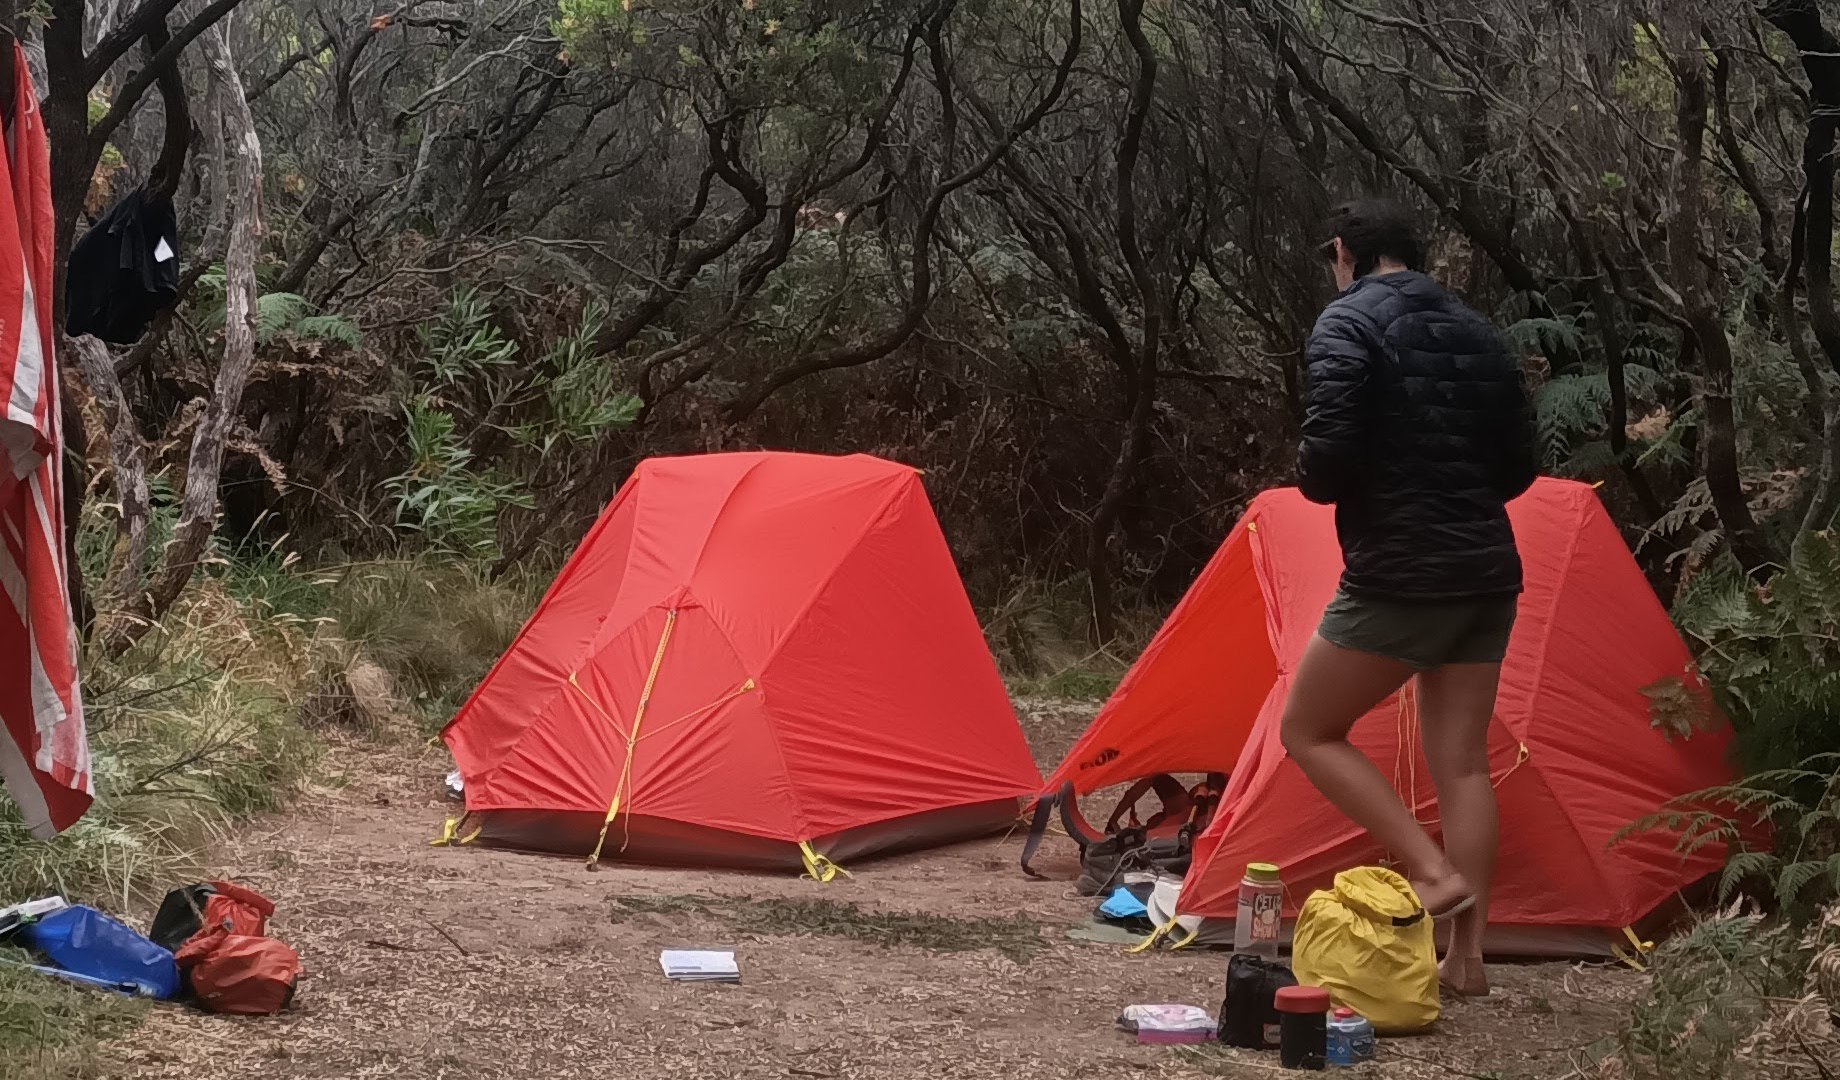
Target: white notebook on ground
(699, 965)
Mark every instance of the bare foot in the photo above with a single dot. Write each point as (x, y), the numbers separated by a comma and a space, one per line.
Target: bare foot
(1439, 895)
(1464, 975)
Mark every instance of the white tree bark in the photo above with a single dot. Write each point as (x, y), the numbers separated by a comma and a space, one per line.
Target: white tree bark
(128, 460)
(199, 504)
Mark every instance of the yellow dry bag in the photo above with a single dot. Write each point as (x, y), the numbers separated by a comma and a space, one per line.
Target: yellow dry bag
(1368, 942)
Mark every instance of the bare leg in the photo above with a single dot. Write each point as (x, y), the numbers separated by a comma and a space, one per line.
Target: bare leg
(1332, 689)
(1454, 707)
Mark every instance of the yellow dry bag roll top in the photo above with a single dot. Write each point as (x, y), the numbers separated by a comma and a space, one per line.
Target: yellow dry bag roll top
(1369, 943)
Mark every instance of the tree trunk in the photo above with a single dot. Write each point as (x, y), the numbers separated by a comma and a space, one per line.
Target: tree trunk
(1143, 385)
(1703, 313)
(1814, 238)
(204, 468)
(128, 460)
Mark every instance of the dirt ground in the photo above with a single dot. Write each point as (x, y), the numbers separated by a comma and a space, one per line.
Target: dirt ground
(426, 962)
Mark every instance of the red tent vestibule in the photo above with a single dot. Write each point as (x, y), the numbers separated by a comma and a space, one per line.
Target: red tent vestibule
(1573, 753)
(749, 652)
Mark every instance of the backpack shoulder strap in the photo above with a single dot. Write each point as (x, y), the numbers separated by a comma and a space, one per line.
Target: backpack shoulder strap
(1067, 802)
(1174, 797)
(1075, 822)
(1038, 828)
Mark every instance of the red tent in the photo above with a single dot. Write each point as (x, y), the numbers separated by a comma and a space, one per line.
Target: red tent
(748, 652)
(1574, 755)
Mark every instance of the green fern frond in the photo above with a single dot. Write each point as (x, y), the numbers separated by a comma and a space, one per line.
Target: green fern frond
(1544, 335)
(1814, 571)
(1742, 865)
(1795, 879)
(334, 328)
(1568, 408)
(278, 312)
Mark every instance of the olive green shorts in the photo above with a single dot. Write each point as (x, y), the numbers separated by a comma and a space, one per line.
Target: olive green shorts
(1424, 634)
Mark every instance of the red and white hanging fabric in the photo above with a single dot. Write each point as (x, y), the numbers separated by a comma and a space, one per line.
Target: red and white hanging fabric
(44, 760)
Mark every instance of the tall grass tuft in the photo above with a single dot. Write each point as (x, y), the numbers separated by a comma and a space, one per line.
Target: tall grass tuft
(191, 729)
(200, 724)
(436, 627)
(49, 1031)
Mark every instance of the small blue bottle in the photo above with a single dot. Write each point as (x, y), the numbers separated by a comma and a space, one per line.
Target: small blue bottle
(1351, 1039)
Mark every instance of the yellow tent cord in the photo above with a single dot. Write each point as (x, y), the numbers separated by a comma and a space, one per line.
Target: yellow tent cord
(632, 737)
(450, 833)
(1636, 953)
(745, 688)
(1407, 749)
(1155, 936)
(596, 706)
(819, 867)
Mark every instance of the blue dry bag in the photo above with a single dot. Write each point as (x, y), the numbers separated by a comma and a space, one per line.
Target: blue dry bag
(84, 941)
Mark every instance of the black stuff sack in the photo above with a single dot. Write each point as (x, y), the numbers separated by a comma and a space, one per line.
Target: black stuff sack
(181, 915)
(1249, 1015)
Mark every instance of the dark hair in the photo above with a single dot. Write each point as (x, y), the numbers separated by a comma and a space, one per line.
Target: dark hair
(1375, 229)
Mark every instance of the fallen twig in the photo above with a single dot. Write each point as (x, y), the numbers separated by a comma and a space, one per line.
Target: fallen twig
(391, 945)
(450, 938)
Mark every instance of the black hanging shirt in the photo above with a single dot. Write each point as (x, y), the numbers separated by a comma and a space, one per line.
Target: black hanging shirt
(124, 271)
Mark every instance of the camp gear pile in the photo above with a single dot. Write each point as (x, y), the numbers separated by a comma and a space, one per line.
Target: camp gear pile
(219, 934)
(1161, 843)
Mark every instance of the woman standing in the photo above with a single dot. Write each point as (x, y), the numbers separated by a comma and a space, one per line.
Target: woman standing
(1417, 430)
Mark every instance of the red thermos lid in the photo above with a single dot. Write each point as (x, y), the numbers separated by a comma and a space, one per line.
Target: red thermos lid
(1303, 999)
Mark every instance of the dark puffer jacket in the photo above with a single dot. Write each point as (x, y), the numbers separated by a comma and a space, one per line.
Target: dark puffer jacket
(1418, 430)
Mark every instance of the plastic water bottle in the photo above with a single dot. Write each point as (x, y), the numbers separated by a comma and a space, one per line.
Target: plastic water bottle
(1351, 1038)
(1259, 920)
